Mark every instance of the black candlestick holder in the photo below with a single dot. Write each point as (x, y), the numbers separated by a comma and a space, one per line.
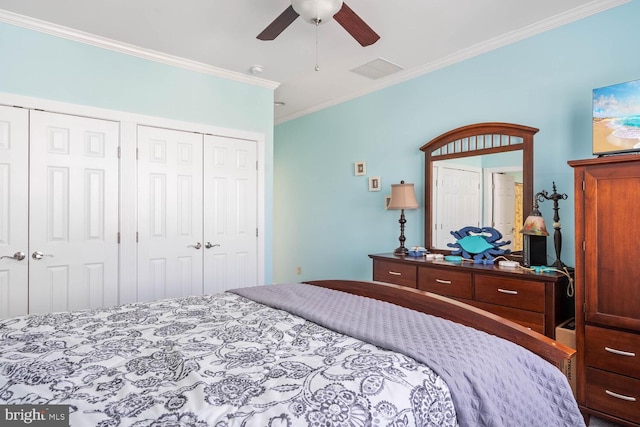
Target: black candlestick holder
(557, 235)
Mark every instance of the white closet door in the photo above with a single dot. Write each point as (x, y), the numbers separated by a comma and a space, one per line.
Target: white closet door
(169, 213)
(73, 223)
(230, 187)
(14, 211)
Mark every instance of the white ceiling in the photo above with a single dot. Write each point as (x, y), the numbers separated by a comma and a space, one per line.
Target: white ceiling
(419, 35)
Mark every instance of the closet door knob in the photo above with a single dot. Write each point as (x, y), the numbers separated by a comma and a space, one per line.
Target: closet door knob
(198, 245)
(209, 245)
(39, 255)
(18, 256)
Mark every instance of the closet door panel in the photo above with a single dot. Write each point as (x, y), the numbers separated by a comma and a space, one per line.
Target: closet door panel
(169, 213)
(14, 210)
(230, 206)
(73, 225)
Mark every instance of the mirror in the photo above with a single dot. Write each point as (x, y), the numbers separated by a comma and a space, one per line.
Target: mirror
(465, 163)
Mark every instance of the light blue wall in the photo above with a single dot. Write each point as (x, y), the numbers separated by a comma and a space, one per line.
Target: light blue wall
(326, 221)
(43, 66)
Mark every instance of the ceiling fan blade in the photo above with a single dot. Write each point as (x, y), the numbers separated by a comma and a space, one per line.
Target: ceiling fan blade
(279, 24)
(355, 26)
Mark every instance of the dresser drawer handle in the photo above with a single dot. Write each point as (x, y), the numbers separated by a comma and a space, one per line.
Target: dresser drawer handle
(395, 273)
(619, 352)
(444, 282)
(507, 291)
(620, 396)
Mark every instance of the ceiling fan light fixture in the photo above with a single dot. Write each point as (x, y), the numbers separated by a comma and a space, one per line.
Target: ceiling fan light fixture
(316, 11)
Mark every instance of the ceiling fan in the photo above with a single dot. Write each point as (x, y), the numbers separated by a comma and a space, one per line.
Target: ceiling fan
(317, 12)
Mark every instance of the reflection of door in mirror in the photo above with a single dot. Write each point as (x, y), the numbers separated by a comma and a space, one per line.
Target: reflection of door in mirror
(503, 205)
(481, 191)
(458, 200)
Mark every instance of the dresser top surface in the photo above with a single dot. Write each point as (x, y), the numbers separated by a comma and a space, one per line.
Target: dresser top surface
(520, 273)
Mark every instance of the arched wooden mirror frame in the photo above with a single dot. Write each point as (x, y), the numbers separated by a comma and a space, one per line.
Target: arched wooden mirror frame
(474, 140)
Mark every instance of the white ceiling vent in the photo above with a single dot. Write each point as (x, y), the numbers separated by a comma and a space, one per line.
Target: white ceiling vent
(377, 68)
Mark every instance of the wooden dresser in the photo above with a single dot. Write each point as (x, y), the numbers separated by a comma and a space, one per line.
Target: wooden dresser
(607, 208)
(537, 301)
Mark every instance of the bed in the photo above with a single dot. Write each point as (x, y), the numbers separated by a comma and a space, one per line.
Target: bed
(323, 353)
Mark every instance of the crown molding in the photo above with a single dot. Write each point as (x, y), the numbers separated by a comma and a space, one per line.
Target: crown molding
(128, 49)
(556, 21)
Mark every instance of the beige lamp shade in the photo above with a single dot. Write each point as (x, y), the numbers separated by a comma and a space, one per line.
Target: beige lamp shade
(403, 196)
(534, 226)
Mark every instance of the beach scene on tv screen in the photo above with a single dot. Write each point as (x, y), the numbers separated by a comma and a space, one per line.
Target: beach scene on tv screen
(616, 118)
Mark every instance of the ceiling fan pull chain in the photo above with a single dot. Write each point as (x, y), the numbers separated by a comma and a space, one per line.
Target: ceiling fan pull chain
(317, 66)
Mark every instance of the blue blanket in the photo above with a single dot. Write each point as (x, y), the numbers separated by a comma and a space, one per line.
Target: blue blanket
(493, 382)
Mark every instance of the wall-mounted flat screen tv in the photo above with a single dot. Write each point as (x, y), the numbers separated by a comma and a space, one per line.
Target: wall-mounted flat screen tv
(616, 118)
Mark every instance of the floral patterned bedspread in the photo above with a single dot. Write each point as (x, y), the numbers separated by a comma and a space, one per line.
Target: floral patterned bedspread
(220, 360)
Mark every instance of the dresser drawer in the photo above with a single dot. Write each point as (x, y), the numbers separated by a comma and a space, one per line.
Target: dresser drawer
(612, 350)
(613, 394)
(395, 272)
(445, 282)
(529, 319)
(522, 294)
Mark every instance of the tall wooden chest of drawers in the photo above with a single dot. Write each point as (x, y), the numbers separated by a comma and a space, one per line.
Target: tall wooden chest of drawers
(607, 207)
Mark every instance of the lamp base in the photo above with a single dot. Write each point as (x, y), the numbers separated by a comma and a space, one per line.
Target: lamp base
(402, 251)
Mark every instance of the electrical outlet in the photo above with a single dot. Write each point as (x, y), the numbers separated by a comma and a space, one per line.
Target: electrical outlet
(298, 270)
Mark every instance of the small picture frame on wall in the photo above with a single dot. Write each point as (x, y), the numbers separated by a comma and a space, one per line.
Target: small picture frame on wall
(387, 200)
(360, 168)
(374, 183)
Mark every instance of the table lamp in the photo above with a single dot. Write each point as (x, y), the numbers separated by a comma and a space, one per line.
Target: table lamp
(403, 197)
